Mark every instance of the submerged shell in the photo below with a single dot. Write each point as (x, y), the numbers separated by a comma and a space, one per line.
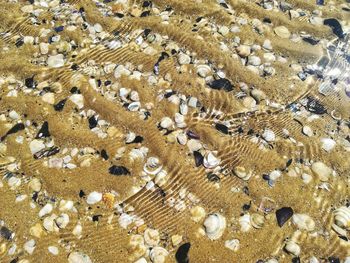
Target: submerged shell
(152, 166)
(245, 223)
(292, 248)
(257, 220)
(242, 173)
(158, 255)
(342, 217)
(215, 225)
(210, 161)
(303, 222)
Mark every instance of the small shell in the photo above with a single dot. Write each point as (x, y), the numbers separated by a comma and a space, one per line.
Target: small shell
(130, 137)
(257, 220)
(342, 217)
(269, 135)
(203, 70)
(292, 248)
(158, 255)
(152, 166)
(210, 161)
(245, 223)
(161, 178)
(166, 123)
(242, 173)
(215, 225)
(232, 244)
(134, 106)
(151, 237)
(197, 213)
(303, 222)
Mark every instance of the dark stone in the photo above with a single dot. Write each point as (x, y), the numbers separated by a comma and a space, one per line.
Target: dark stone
(320, 2)
(16, 128)
(59, 29)
(283, 215)
(104, 154)
(30, 83)
(224, 5)
(74, 90)
(219, 84)
(15, 260)
(315, 106)
(246, 190)
(335, 26)
(44, 131)
(266, 177)
(311, 40)
(289, 162)
(169, 94)
(118, 170)
(5, 233)
(60, 105)
(296, 260)
(81, 194)
(19, 42)
(92, 122)
(108, 82)
(147, 31)
(120, 15)
(213, 178)
(74, 67)
(138, 139)
(333, 260)
(181, 254)
(222, 128)
(192, 135)
(246, 207)
(267, 20)
(198, 158)
(285, 6)
(145, 13)
(146, 4)
(95, 218)
(46, 153)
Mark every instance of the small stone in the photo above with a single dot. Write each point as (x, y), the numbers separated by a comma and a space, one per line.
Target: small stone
(181, 254)
(243, 50)
(232, 244)
(194, 145)
(55, 61)
(322, 171)
(283, 215)
(36, 230)
(47, 209)
(327, 144)
(53, 250)
(224, 30)
(166, 123)
(176, 240)
(303, 222)
(151, 237)
(308, 131)
(184, 59)
(78, 257)
(29, 246)
(62, 221)
(35, 184)
(14, 115)
(93, 198)
(267, 44)
(98, 28)
(269, 135)
(269, 57)
(36, 146)
(282, 32)
(254, 60)
(78, 100)
(44, 48)
(49, 98)
(50, 224)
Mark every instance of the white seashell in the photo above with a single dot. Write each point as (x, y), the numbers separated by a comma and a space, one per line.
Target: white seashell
(347, 259)
(125, 220)
(184, 59)
(307, 178)
(50, 224)
(183, 108)
(182, 138)
(130, 137)
(203, 70)
(232, 244)
(321, 170)
(282, 32)
(161, 178)
(274, 175)
(210, 161)
(66, 205)
(215, 225)
(242, 173)
(269, 135)
(152, 166)
(137, 154)
(308, 131)
(55, 61)
(342, 217)
(158, 255)
(166, 123)
(134, 96)
(303, 222)
(134, 106)
(93, 198)
(114, 44)
(47, 209)
(327, 144)
(257, 220)
(62, 221)
(339, 230)
(78, 100)
(29, 246)
(245, 223)
(141, 260)
(292, 248)
(36, 146)
(151, 237)
(272, 260)
(53, 250)
(313, 259)
(197, 213)
(78, 257)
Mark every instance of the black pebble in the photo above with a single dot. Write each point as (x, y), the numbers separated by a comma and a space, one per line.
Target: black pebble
(19, 42)
(333, 260)
(60, 105)
(219, 84)
(145, 13)
(198, 158)
(15, 260)
(30, 83)
(138, 139)
(104, 154)
(246, 207)
(296, 260)
(74, 90)
(59, 28)
(147, 4)
(335, 26)
(213, 178)
(283, 215)
(44, 131)
(315, 107)
(5, 233)
(221, 127)
(17, 127)
(181, 254)
(92, 122)
(224, 5)
(95, 218)
(81, 193)
(289, 162)
(74, 67)
(118, 170)
(311, 41)
(192, 135)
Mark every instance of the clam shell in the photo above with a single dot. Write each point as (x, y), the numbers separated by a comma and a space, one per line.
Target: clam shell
(161, 178)
(210, 161)
(203, 70)
(257, 220)
(245, 223)
(242, 173)
(158, 254)
(152, 166)
(215, 225)
(303, 222)
(342, 217)
(292, 248)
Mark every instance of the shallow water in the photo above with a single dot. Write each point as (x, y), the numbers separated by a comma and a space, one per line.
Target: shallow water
(174, 131)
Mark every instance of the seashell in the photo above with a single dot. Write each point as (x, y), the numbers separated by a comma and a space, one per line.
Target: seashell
(50, 224)
(242, 173)
(158, 255)
(137, 154)
(197, 213)
(232, 244)
(269, 135)
(210, 161)
(130, 137)
(134, 106)
(166, 123)
(184, 59)
(181, 254)
(308, 131)
(245, 223)
(340, 231)
(62, 221)
(272, 260)
(152, 166)
(292, 248)
(257, 220)
(151, 237)
(327, 144)
(282, 32)
(203, 70)
(313, 259)
(78, 257)
(161, 178)
(342, 217)
(321, 170)
(215, 225)
(303, 222)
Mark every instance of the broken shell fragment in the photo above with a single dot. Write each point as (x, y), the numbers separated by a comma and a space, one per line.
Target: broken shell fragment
(210, 161)
(303, 222)
(257, 220)
(242, 173)
(215, 225)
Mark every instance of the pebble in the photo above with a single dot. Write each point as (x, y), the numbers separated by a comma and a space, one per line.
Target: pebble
(181, 254)
(232, 244)
(166, 123)
(224, 30)
(94, 197)
(49, 98)
(55, 61)
(44, 48)
(47, 209)
(292, 248)
(322, 171)
(304, 222)
(151, 237)
(29, 246)
(243, 50)
(327, 144)
(62, 221)
(78, 257)
(269, 135)
(203, 71)
(14, 115)
(254, 60)
(283, 215)
(269, 57)
(53, 250)
(308, 131)
(184, 59)
(282, 32)
(194, 145)
(267, 44)
(50, 224)
(176, 240)
(78, 100)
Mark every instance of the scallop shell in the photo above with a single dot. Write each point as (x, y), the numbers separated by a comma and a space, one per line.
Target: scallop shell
(242, 173)
(158, 254)
(342, 217)
(152, 166)
(215, 225)
(245, 223)
(257, 220)
(210, 161)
